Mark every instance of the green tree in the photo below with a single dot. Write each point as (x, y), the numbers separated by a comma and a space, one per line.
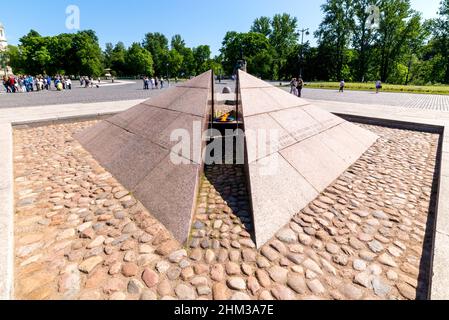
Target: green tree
(188, 63)
(139, 60)
(157, 45)
(201, 55)
(63, 56)
(254, 47)
(187, 66)
(215, 65)
(440, 41)
(107, 54)
(398, 25)
(262, 25)
(178, 43)
(88, 54)
(414, 48)
(34, 52)
(118, 59)
(334, 33)
(363, 37)
(283, 39)
(14, 58)
(175, 60)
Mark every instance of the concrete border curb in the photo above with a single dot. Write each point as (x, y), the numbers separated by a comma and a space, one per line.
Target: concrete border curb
(6, 212)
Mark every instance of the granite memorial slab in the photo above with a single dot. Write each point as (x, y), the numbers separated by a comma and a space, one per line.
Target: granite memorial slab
(135, 146)
(314, 149)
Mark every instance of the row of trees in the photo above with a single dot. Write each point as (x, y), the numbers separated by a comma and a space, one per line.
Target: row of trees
(351, 47)
(70, 54)
(353, 44)
(401, 48)
(155, 55)
(269, 48)
(80, 54)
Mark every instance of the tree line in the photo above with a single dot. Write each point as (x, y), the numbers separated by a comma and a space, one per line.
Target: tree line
(80, 54)
(401, 47)
(398, 47)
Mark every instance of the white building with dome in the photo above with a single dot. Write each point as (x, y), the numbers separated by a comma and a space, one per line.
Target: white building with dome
(3, 42)
(3, 46)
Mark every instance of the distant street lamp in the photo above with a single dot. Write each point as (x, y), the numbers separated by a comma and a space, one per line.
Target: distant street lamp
(168, 74)
(301, 54)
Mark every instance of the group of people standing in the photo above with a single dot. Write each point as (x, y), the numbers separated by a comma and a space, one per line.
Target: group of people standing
(155, 83)
(28, 83)
(296, 86)
(88, 82)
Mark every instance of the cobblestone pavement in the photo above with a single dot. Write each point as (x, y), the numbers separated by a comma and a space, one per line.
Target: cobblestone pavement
(80, 235)
(430, 102)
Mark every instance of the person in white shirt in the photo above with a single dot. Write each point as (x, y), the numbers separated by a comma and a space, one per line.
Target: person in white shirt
(40, 84)
(68, 84)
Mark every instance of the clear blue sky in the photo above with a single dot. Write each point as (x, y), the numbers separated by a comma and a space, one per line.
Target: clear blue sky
(198, 21)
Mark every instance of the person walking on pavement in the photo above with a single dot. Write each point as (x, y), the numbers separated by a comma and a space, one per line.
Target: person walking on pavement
(342, 86)
(293, 85)
(299, 86)
(378, 86)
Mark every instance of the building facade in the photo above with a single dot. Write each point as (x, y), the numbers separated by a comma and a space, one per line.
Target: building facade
(4, 68)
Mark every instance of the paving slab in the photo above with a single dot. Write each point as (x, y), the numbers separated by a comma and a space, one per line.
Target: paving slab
(283, 98)
(257, 97)
(277, 190)
(169, 193)
(191, 102)
(290, 118)
(445, 161)
(55, 112)
(442, 224)
(325, 118)
(6, 212)
(138, 121)
(342, 143)
(135, 160)
(185, 124)
(440, 279)
(270, 138)
(316, 162)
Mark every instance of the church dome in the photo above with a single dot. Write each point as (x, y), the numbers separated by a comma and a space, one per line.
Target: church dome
(2, 32)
